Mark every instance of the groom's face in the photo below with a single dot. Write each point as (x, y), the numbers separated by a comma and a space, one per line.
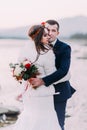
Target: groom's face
(53, 32)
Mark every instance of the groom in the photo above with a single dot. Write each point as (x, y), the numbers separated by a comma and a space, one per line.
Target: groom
(62, 53)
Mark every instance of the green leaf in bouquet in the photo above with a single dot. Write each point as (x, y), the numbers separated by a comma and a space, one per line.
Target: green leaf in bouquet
(26, 76)
(12, 65)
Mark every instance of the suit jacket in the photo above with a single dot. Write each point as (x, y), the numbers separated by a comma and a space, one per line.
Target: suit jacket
(62, 53)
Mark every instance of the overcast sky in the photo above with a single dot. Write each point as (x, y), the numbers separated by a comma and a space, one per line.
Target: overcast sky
(15, 13)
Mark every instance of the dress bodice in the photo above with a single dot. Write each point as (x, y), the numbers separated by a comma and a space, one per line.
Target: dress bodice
(46, 63)
(46, 66)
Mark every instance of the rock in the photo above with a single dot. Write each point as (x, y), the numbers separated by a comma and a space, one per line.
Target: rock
(8, 115)
(9, 111)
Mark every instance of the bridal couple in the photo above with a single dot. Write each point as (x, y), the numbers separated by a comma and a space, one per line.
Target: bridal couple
(46, 97)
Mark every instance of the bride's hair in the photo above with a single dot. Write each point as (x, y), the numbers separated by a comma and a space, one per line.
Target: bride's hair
(36, 32)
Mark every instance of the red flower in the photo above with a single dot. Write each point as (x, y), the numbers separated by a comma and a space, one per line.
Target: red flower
(43, 23)
(27, 66)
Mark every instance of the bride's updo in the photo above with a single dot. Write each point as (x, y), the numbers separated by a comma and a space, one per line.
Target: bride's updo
(36, 32)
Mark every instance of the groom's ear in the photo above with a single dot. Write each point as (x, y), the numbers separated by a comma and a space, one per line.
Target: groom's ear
(58, 33)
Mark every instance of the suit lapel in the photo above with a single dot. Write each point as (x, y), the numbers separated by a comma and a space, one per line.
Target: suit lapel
(56, 46)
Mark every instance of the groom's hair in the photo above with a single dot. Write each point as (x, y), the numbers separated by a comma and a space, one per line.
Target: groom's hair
(53, 22)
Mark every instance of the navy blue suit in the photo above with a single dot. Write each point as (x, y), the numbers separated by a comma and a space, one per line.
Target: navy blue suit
(62, 53)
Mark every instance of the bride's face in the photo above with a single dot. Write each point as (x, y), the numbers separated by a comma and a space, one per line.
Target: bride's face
(45, 37)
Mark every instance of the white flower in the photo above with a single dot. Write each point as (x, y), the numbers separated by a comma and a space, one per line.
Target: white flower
(18, 70)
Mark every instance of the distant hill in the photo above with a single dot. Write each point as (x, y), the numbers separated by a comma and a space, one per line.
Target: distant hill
(73, 25)
(20, 33)
(68, 27)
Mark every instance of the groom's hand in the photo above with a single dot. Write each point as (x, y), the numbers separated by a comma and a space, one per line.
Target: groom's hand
(36, 82)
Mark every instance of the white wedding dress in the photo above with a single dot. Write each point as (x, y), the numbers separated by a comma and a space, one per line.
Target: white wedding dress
(39, 112)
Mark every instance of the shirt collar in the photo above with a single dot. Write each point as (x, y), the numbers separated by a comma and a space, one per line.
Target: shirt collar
(53, 43)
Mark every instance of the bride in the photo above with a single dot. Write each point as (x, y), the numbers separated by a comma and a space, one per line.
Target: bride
(39, 112)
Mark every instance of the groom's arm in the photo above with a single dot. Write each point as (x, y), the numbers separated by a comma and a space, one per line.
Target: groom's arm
(63, 68)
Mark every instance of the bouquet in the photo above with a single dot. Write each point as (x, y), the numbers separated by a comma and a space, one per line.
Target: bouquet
(24, 70)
